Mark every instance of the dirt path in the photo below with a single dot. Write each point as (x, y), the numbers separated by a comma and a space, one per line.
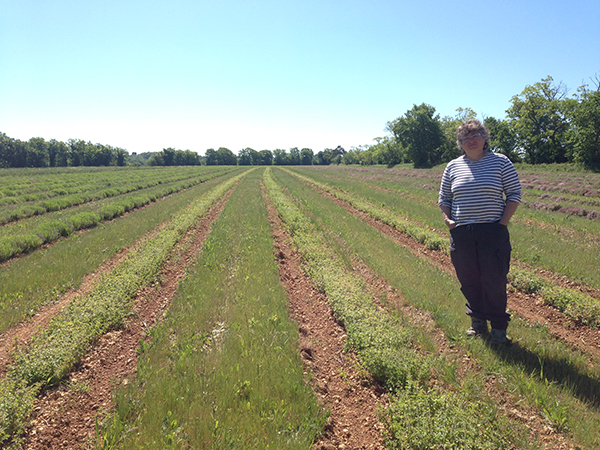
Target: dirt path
(351, 397)
(65, 417)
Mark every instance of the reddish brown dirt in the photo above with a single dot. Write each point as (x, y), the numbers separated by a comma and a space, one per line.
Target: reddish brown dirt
(351, 397)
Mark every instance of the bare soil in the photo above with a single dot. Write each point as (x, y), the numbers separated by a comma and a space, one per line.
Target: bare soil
(66, 416)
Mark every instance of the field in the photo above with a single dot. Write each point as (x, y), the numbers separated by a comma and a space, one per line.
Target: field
(287, 307)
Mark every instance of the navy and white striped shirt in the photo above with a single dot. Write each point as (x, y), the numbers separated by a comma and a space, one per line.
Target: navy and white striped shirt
(477, 191)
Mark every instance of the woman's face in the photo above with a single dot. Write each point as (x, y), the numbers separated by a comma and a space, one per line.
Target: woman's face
(473, 144)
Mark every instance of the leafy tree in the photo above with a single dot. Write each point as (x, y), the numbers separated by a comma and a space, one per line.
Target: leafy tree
(280, 157)
(352, 156)
(306, 156)
(387, 151)
(245, 157)
(586, 127)
(265, 158)
(76, 152)
(58, 153)
(226, 157)
(186, 158)
(168, 156)
(503, 138)
(294, 157)
(419, 131)
(324, 157)
(211, 157)
(37, 155)
(539, 117)
(123, 156)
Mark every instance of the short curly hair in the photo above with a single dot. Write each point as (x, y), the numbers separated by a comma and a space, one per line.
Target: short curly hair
(472, 126)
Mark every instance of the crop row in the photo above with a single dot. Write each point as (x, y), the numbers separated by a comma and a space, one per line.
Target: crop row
(574, 304)
(55, 200)
(536, 372)
(53, 352)
(51, 230)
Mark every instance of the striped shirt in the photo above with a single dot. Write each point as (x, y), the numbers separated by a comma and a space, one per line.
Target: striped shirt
(477, 191)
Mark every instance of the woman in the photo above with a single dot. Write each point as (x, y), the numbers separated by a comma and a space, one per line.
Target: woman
(479, 193)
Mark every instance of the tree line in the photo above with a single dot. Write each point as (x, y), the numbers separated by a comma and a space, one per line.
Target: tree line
(543, 125)
(37, 152)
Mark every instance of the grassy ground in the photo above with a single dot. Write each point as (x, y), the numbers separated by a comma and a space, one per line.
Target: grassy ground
(223, 370)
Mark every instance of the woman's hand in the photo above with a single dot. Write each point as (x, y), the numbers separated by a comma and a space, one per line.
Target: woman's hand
(447, 213)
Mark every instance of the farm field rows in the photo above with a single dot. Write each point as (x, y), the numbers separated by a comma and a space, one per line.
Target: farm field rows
(223, 318)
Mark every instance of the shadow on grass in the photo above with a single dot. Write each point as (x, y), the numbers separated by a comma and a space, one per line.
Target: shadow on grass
(560, 371)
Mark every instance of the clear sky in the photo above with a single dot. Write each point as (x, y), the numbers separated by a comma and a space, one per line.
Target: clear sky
(145, 75)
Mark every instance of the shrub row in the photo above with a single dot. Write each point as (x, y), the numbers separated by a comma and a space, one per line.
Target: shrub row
(423, 235)
(572, 303)
(64, 202)
(52, 230)
(52, 353)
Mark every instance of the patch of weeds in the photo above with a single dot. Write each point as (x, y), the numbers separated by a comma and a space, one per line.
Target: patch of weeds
(428, 419)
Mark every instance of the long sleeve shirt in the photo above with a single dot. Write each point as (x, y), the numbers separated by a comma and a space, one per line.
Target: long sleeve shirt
(477, 191)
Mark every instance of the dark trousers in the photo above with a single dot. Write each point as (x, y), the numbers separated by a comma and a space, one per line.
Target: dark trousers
(481, 256)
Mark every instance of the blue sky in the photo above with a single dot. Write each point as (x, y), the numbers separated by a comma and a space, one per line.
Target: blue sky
(145, 75)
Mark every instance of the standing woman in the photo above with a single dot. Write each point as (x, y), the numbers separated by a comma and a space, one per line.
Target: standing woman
(479, 193)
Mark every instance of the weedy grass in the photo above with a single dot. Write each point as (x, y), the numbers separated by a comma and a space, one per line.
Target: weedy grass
(39, 277)
(223, 369)
(384, 346)
(566, 382)
(49, 355)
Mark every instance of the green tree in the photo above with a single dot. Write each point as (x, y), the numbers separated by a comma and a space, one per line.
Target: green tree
(265, 158)
(539, 117)
(211, 157)
(306, 157)
(294, 158)
(38, 155)
(502, 138)
(419, 131)
(280, 157)
(226, 157)
(245, 157)
(58, 153)
(586, 127)
(324, 157)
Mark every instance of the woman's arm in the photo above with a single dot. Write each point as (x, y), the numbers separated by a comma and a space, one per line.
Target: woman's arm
(509, 210)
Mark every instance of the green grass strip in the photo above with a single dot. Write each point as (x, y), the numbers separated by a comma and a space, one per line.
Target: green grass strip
(574, 304)
(223, 369)
(53, 352)
(421, 234)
